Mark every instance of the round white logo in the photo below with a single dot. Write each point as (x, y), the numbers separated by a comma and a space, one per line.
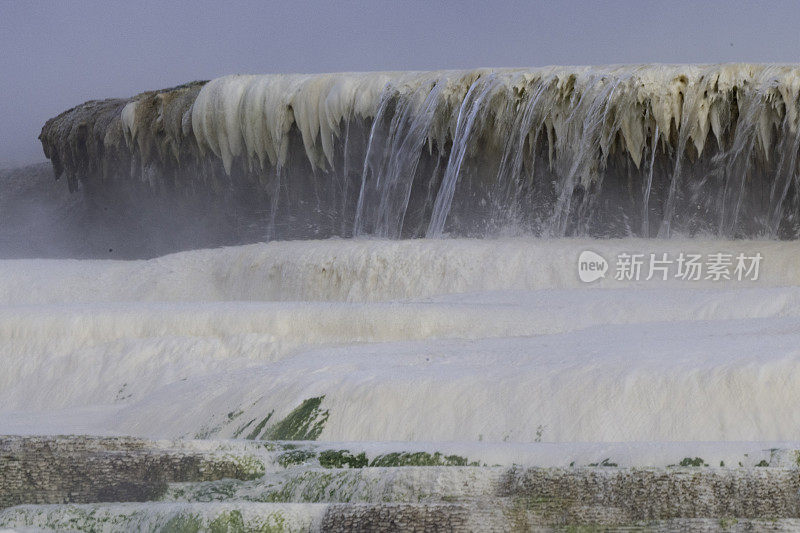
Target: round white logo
(591, 266)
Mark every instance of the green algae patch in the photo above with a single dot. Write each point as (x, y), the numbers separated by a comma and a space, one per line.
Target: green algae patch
(315, 486)
(292, 454)
(247, 466)
(238, 432)
(728, 523)
(295, 457)
(605, 462)
(182, 523)
(529, 513)
(207, 432)
(275, 523)
(204, 492)
(599, 528)
(342, 459)
(693, 462)
(421, 459)
(257, 430)
(80, 518)
(306, 422)
(227, 522)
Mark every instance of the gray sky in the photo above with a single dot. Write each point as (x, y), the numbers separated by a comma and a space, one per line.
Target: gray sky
(54, 55)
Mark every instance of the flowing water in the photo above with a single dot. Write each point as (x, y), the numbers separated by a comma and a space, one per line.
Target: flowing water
(415, 261)
(557, 267)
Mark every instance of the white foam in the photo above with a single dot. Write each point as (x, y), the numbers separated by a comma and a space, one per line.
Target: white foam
(360, 270)
(250, 116)
(410, 340)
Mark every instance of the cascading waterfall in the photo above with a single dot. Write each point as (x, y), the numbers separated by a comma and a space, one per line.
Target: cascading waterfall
(597, 151)
(533, 344)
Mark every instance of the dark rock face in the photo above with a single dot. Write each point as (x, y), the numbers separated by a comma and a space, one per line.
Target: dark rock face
(132, 198)
(628, 495)
(87, 142)
(118, 198)
(75, 140)
(77, 469)
(40, 470)
(397, 517)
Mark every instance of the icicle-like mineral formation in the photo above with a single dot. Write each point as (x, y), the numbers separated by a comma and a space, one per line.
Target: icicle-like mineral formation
(605, 151)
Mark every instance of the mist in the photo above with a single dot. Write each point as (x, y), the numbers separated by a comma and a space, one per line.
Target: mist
(41, 218)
